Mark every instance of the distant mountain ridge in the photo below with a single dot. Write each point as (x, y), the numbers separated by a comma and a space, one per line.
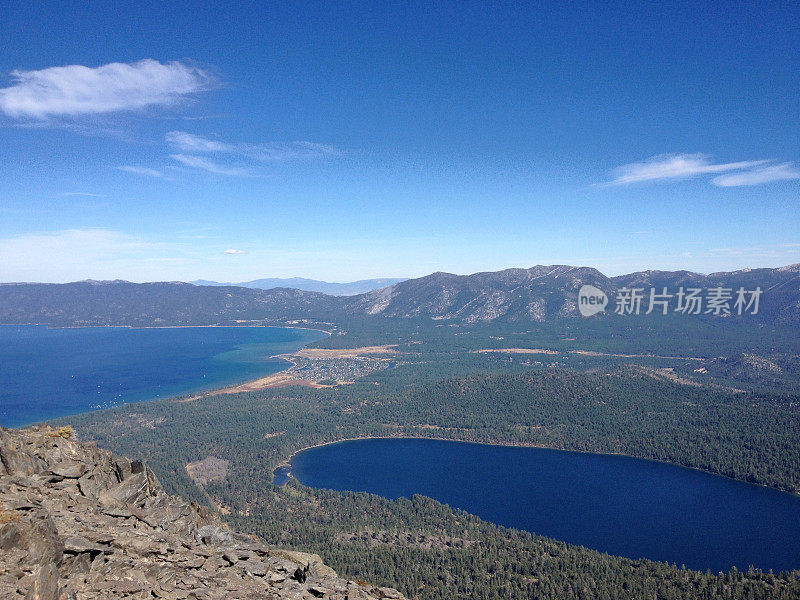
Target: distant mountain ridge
(538, 294)
(543, 292)
(84, 303)
(351, 288)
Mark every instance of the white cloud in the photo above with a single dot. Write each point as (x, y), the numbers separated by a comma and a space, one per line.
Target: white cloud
(188, 142)
(140, 171)
(232, 251)
(78, 90)
(267, 152)
(193, 150)
(84, 194)
(200, 162)
(758, 176)
(675, 166)
(290, 151)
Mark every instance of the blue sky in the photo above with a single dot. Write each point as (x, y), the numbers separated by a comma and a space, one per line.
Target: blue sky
(342, 141)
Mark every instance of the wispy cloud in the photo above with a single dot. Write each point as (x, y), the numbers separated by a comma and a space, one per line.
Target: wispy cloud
(758, 176)
(147, 172)
(265, 152)
(84, 194)
(206, 164)
(79, 90)
(93, 128)
(232, 251)
(193, 151)
(188, 142)
(675, 166)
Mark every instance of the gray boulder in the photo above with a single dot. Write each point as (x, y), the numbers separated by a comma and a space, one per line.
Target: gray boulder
(78, 522)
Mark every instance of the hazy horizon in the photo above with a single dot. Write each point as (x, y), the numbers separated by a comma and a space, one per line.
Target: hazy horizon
(330, 281)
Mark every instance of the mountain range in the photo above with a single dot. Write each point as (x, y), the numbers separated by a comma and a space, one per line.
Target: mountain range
(351, 288)
(538, 294)
(545, 292)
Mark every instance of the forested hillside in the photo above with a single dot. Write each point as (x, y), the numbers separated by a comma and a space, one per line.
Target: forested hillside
(746, 435)
(649, 386)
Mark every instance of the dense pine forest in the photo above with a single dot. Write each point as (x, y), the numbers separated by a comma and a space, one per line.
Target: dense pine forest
(566, 401)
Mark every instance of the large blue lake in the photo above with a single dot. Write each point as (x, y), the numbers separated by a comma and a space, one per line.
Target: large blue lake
(615, 504)
(47, 373)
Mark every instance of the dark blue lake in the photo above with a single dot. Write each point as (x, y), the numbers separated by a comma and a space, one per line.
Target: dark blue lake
(47, 373)
(615, 504)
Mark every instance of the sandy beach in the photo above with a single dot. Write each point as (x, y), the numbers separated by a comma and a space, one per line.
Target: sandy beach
(286, 378)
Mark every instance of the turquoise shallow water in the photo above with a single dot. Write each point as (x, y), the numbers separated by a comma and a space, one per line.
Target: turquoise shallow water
(615, 504)
(47, 373)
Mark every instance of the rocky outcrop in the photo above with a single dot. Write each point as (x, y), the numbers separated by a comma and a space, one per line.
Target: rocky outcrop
(77, 522)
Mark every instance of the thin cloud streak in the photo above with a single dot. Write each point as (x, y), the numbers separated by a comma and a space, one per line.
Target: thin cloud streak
(79, 90)
(675, 166)
(189, 142)
(205, 164)
(267, 152)
(145, 171)
(767, 174)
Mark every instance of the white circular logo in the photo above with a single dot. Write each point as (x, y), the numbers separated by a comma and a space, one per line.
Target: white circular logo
(591, 300)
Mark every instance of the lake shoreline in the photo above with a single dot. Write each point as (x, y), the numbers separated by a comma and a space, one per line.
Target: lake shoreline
(49, 326)
(86, 403)
(394, 470)
(282, 378)
(279, 379)
(249, 385)
(286, 464)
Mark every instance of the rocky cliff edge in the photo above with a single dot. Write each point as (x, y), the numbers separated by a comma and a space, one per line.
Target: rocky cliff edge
(77, 522)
